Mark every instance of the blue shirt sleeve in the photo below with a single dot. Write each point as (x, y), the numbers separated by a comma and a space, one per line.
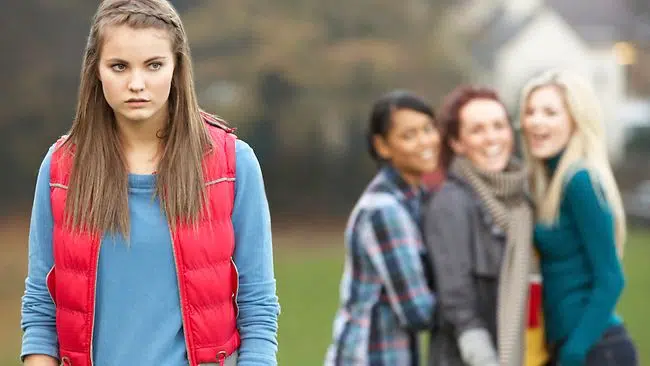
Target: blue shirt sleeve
(257, 300)
(38, 312)
(595, 224)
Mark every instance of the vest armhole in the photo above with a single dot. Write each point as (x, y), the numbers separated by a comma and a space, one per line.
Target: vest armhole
(229, 139)
(56, 178)
(231, 153)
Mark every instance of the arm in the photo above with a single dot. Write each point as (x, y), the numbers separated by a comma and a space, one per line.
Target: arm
(596, 229)
(448, 234)
(257, 300)
(393, 241)
(40, 343)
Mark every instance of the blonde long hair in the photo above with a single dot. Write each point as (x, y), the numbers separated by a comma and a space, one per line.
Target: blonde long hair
(586, 148)
(98, 188)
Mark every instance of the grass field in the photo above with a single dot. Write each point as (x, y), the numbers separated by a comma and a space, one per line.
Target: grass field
(308, 287)
(308, 269)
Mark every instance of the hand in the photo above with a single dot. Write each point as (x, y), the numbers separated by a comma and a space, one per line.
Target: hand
(40, 360)
(476, 348)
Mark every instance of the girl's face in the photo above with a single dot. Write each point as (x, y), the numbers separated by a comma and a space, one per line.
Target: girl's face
(485, 137)
(136, 67)
(547, 124)
(412, 144)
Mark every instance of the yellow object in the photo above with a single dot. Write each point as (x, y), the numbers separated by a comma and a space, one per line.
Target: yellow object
(536, 353)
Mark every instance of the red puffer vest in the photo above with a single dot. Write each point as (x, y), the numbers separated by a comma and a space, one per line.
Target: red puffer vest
(207, 276)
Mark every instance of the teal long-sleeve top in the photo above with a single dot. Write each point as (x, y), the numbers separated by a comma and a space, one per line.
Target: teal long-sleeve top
(581, 270)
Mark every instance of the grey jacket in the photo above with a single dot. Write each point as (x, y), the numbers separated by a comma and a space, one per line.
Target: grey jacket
(465, 249)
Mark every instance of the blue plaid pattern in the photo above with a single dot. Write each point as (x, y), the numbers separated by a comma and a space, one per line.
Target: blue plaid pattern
(385, 295)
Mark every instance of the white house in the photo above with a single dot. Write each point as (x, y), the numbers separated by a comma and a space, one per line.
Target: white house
(513, 40)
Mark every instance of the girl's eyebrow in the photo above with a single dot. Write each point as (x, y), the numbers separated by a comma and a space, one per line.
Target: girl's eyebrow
(146, 61)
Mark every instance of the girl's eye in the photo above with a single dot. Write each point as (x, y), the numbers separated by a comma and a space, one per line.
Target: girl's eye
(408, 135)
(118, 67)
(155, 66)
(549, 112)
(500, 124)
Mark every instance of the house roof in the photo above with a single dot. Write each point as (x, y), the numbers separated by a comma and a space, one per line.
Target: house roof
(596, 21)
(498, 30)
(603, 21)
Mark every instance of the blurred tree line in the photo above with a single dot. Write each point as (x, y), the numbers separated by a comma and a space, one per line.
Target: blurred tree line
(295, 77)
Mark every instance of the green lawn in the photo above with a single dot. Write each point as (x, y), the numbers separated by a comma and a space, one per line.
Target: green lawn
(308, 289)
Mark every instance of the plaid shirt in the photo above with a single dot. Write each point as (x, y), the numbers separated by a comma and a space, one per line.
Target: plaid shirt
(385, 295)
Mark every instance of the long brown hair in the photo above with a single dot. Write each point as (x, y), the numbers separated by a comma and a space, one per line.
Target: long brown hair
(98, 188)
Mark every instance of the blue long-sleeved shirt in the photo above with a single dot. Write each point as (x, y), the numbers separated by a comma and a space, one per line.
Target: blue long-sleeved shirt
(581, 270)
(138, 317)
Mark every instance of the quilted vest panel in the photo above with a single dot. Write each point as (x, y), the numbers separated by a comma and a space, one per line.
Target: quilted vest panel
(207, 275)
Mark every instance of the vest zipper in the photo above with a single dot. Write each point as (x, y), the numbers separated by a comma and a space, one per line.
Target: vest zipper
(92, 328)
(221, 358)
(180, 298)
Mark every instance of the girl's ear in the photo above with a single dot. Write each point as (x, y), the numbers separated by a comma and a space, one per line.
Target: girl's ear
(381, 147)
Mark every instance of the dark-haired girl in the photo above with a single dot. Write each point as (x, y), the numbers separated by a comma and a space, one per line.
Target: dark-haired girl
(385, 296)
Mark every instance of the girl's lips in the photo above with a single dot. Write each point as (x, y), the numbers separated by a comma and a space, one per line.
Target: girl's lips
(137, 102)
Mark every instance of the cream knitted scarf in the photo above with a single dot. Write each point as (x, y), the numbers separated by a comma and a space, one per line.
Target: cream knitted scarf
(503, 194)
